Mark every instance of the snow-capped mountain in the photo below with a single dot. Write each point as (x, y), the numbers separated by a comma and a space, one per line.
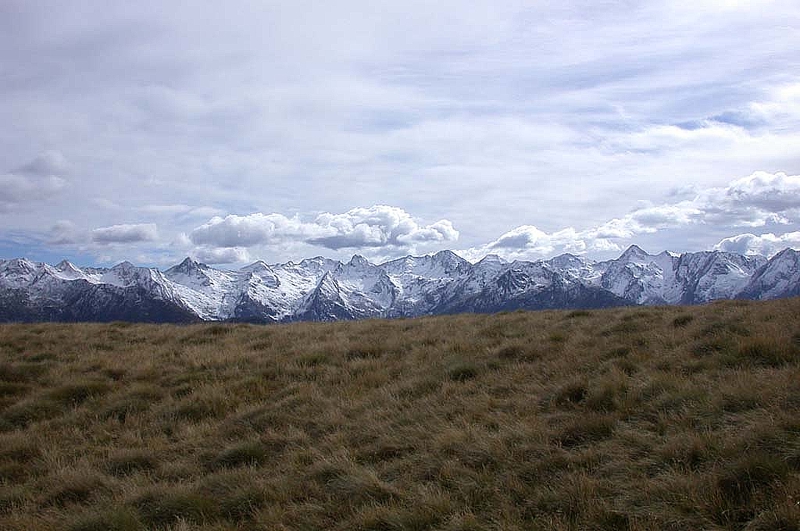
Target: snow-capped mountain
(323, 289)
(780, 277)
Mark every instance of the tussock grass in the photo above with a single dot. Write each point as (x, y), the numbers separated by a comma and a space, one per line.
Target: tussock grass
(627, 418)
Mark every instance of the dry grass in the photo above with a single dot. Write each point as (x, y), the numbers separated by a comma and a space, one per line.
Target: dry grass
(630, 418)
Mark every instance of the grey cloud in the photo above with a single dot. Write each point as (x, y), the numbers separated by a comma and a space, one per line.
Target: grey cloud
(33, 182)
(125, 233)
(519, 238)
(45, 164)
(64, 232)
(17, 189)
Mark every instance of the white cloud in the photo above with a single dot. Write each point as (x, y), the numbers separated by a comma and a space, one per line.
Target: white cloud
(491, 115)
(250, 230)
(755, 200)
(783, 104)
(528, 242)
(125, 233)
(375, 226)
(226, 255)
(378, 226)
(769, 193)
(766, 244)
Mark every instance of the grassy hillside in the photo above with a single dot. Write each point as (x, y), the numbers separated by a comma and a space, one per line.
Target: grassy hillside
(630, 418)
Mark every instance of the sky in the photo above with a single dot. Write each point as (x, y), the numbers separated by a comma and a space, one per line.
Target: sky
(237, 131)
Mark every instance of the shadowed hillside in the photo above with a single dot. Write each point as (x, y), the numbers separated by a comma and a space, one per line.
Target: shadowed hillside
(627, 418)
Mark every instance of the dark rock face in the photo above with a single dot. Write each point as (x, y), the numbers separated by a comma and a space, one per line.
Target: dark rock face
(83, 301)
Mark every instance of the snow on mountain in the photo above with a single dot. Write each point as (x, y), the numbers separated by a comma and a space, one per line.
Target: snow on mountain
(323, 289)
(779, 277)
(481, 274)
(639, 277)
(423, 282)
(18, 272)
(65, 270)
(210, 293)
(366, 284)
(576, 268)
(708, 276)
(262, 274)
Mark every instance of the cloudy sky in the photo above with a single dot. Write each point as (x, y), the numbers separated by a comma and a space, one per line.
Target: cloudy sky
(237, 131)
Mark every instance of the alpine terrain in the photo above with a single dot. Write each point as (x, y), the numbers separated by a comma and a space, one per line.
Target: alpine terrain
(320, 289)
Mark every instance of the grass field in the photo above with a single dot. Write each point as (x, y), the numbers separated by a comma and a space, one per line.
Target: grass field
(629, 418)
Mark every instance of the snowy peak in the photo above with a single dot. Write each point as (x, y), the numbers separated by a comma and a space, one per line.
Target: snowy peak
(359, 261)
(259, 269)
(779, 277)
(567, 260)
(125, 274)
(787, 256)
(188, 266)
(634, 253)
(324, 289)
(256, 267)
(68, 271)
(492, 259)
(318, 265)
(191, 273)
(451, 262)
(65, 265)
(20, 266)
(441, 264)
(18, 272)
(124, 266)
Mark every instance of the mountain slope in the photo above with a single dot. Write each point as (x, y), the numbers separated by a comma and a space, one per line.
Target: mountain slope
(321, 289)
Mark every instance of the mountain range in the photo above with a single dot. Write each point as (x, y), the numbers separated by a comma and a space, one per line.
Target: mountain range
(321, 289)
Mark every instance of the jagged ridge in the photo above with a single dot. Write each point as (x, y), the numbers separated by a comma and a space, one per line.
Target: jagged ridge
(323, 289)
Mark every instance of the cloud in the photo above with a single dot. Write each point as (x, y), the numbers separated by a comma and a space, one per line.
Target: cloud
(759, 197)
(141, 232)
(17, 189)
(766, 244)
(248, 231)
(226, 255)
(756, 200)
(783, 105)
(528, 241)
(33, 182)
(180, 209)
(751, 201)
(378, 226)
(375, 226)
(472, 112)
(45, 164)
(64, 232)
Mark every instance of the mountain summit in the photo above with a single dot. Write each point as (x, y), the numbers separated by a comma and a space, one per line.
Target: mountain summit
(324, 289)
